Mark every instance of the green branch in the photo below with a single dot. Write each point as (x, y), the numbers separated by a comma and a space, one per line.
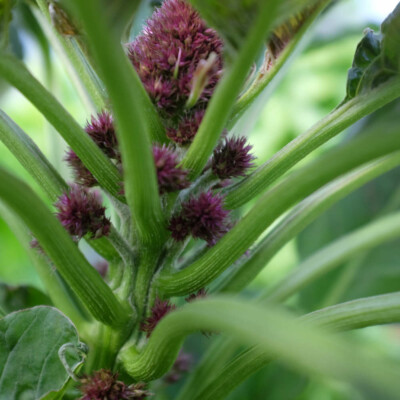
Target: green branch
(82, 278)
(301, 216)
(334, 123)
(274, 333)
(271, 205)
(136, 118)
(356, 314)
(227, 90)
(335, 253)
(31, 158)
(94, 159)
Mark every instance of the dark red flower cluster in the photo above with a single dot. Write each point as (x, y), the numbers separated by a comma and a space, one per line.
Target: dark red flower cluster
(158, 312)
(186, 129)
(81, 212)
(103, 385)
(202, 217)
(101, 130)
(170, 177)
(232, 158)
(179, 60)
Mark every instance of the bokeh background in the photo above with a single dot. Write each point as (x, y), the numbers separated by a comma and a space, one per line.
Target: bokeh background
(311, 85)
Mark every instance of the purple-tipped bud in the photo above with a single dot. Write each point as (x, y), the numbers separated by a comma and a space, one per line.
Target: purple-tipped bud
(201, 294)
(101, 130)
(168, 53)
(187, 128)
(203, 217)
(170, 177)
(232, 158)
(82, 175)
(81, 212)
(158, 312)
(103, 385)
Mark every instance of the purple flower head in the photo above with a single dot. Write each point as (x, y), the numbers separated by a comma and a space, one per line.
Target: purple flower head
(203, 217)
(232, 158)
(101, 130)
(187, 128)
(170, 177)
(81, 212)
(170, 54)
(82, 175)
(103, 385)
(158, 312)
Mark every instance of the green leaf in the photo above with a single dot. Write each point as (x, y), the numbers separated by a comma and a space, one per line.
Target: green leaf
(30, 344)
(277, 334)
(82, 278)
(30, 156)
(271, 205)
(377, 57)
(20, 297)
(94, 159)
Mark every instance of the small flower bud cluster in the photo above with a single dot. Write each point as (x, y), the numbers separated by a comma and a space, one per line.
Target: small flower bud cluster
(81, 213)
(202, 217)
(179, 60)
(180, 367)
(103, 385)
(158, 312)
(170, 177)
(102, 132)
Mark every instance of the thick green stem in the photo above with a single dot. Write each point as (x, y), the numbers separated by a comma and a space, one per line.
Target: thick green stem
(82, 75)
(301, 216)
(271, 205)
(94, 159)
(334, 254)
(334, 123)
(274, 332)
(137, 122)
(347, 316)
(228, 89)
(82, 278)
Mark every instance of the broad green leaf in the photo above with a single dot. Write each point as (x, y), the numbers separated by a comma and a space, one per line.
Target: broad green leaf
(377, 58)
(31, 342)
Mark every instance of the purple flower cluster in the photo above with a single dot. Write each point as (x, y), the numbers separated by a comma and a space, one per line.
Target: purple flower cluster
(81, 212)
(201, 217)
(158, 312)
(170, 177)
(178, 58)
(103, 385)
(232, 158)
(101, 130)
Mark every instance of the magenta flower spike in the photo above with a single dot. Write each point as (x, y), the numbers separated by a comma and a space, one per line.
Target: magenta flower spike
(81, 212)
(158, 312)
(232, 158)
(203, 217)
(170, 177)
(171, 53)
